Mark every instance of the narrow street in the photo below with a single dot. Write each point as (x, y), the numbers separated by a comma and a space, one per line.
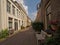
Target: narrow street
(29, 22)
(22, 38)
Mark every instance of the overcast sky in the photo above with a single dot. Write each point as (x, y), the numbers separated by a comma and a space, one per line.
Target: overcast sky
(30, 7)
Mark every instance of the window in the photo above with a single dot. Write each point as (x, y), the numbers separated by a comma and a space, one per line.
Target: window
(8, 6)
(10, 23)
(48, 10)
(22, 23)
(13, 9)
(48, 13)
(19, 23)
(17, 12)
(15, 24)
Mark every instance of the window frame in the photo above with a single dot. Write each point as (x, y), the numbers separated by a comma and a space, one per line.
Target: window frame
(8, 6)
(13, 9)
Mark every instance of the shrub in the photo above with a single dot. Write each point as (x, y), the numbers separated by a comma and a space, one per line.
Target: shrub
(27, 26)
(55, 40)
(4, 33)
(37, 26)
(22, 27)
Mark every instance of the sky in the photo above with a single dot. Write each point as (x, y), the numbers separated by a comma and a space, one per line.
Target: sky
(30, 7)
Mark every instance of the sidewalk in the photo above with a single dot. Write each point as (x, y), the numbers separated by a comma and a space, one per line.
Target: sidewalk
(22, 38)
(40, 37)
(1, 40)
(19, 31)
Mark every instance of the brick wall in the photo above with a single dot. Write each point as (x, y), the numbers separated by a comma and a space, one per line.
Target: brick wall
(55, 10)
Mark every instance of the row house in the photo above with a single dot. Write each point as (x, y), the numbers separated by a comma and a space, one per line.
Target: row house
(29, 21)
(39, 16)
(12, 15)
(50, 10)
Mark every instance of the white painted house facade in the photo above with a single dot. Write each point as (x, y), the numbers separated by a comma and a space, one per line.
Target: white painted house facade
(12, 15)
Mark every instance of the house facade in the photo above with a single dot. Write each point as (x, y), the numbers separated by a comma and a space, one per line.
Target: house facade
(12, 15)
(39, 16)
(28, 21)
(50, 10)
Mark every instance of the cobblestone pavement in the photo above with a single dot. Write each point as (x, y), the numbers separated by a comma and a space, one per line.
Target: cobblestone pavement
(22, 38)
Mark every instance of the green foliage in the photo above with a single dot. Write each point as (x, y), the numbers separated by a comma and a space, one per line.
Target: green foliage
(49, 41)
(22, 27)
(4, 33)
(55, 40)
(52, 41)
(37, 26)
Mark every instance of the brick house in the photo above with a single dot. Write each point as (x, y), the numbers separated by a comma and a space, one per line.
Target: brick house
(50, 10)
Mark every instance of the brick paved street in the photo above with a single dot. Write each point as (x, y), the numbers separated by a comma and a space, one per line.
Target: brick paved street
(22, 38)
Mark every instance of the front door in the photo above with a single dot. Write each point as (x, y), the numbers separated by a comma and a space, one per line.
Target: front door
(16, 25)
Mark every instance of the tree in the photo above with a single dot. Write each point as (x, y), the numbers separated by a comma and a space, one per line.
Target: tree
(37, 26)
